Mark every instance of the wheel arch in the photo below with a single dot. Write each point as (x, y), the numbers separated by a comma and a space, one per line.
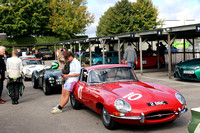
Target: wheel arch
(99, 107)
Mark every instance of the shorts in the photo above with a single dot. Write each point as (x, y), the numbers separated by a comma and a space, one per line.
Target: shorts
(69, 86)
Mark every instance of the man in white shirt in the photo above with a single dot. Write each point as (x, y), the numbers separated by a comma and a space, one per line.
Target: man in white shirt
(75, 68)
(14, 70)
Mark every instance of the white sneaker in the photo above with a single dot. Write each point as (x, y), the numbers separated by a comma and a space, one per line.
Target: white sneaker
(56, 110)
(56, 106)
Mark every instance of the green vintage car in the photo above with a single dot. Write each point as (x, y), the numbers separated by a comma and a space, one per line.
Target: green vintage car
(189, 70)
(194, 126)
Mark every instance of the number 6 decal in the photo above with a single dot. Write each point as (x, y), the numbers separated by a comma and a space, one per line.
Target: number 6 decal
(132, 96)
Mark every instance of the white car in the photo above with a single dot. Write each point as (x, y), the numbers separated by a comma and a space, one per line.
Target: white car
(31, 64)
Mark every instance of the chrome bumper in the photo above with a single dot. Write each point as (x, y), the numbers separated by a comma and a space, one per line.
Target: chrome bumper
(141, 118)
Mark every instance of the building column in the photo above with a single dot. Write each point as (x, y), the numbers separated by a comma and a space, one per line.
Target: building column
(119, 53)
(141, 65)
(90, 50)
(184, 49)
(169, 57)
(80, 52)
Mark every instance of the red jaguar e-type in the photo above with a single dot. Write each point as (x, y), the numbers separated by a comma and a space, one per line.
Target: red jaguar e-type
(115, 92)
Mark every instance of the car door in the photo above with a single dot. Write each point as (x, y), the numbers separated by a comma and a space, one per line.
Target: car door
(82, 91)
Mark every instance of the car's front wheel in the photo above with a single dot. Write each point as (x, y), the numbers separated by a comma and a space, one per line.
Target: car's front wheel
(25, 78)
(74, 103)
(34, 82)
(46, 88)
(107, 120)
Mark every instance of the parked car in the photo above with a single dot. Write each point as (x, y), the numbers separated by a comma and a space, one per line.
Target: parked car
(149, 59)
(111, 57)
(194, 125)
(47, 79)
(114, 92)
(31, 64)
(86, 55)
(45, 53)
(189, 70)
(173, 49)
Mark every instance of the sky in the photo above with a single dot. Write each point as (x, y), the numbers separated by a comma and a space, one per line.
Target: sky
(168, 10)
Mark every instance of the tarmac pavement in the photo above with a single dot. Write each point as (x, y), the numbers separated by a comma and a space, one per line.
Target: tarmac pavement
(32, 114)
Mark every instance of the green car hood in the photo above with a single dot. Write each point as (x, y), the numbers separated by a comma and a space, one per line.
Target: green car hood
(194, 62)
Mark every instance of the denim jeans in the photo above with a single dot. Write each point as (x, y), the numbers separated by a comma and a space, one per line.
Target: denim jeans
(131, 64)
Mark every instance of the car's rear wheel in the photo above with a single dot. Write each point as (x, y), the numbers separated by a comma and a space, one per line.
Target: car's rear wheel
(34, 82)
(107, 120)
(74, 103)
(46, 88)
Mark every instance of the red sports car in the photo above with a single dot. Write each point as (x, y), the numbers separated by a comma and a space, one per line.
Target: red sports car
(114, 92)
(149, 59)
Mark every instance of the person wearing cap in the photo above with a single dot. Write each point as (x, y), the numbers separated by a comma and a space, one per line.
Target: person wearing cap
(75, 68)
(130, 55)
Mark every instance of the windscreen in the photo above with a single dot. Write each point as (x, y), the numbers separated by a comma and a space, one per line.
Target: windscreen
(112, 75)
(32, 62)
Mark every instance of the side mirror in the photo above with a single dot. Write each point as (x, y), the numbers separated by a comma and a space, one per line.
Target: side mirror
(85, 73)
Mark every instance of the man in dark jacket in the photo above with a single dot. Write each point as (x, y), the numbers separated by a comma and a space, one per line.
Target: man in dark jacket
(2, 71)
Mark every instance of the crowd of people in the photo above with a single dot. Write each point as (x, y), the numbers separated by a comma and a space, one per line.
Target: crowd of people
(34, 52)
(71, 71)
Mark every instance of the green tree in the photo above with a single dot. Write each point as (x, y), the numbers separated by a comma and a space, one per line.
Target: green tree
(128, 17)
(69, 17)
(24, 17)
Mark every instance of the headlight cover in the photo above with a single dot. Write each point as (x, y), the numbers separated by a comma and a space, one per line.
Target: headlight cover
(122, 106)
(180, 98)
(194, 68)
(51, 78)
(28, 71)
(59, 78)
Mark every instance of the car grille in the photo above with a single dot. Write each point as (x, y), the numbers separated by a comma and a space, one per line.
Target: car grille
(159, 115)
(180, 71)
(193, 76)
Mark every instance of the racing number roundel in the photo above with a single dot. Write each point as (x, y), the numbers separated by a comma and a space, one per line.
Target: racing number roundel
(108, 60)
(133, 96)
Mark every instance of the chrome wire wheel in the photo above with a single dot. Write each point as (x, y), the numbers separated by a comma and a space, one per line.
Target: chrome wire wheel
(44, 86)
(107, 120)
(73, 100)
(33, 81)
(106, 116)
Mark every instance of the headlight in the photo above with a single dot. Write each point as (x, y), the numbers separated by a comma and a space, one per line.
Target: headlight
(51, 78)
(194, 68)
(59, 79)
(122, 106)
(28, 71)
(180, 98)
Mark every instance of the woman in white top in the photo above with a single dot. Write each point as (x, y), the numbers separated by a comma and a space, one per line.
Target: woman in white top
(75, 68)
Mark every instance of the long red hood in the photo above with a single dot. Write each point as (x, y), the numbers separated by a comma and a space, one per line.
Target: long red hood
(140, 92)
